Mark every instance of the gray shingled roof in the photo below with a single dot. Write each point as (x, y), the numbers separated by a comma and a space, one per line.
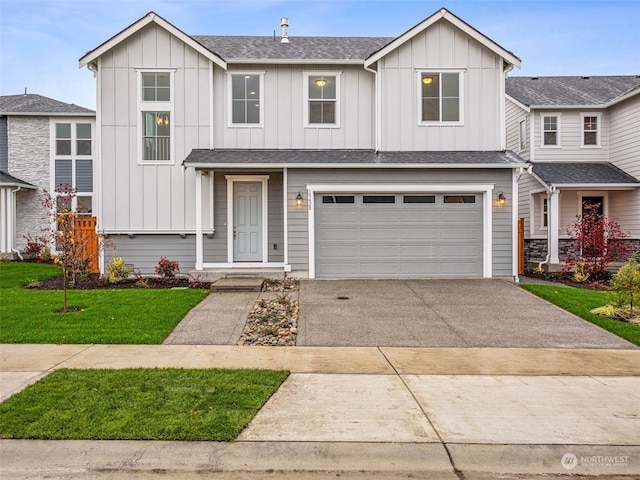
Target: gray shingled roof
(582, 173)
(32, 103)
(298, 48)
(351, 157)
(7, 180)
(542, 91)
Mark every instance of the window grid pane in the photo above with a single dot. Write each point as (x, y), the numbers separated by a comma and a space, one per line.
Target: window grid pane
(550, 130)
(440, 97)
(322, 99)
(245, 99)
(590, 130)
(156, 87)
(156, 136)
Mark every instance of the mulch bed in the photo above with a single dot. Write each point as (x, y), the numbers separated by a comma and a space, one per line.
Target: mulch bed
(94, 282)
(566, 280)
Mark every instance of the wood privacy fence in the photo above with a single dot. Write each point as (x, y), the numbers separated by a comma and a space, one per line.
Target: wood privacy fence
(86, 236)
(521, 246)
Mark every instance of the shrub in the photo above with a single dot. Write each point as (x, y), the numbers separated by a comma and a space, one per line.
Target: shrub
(117, 271)
(34, 247)
(625, 285)
(167, 269)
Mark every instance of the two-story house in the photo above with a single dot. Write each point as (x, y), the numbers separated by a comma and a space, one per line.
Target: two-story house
(43, 143)
(326, 156)
(582, 137)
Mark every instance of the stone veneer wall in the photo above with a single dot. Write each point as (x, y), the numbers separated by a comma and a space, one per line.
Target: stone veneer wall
(29, 160)
(536, 248)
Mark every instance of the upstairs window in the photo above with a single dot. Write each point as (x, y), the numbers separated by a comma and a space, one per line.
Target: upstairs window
(246, 99)
(156, 136)
(156, 87)
(440, 97)
(322, 93)
(551, 130)
(73, 165)
(522, 135)
(155, 114)
(590, 130)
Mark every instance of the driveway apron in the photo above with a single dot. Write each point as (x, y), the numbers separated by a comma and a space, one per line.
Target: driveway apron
(439, 313)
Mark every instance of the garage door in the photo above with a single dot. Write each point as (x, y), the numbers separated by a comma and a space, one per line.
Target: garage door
(398, 235)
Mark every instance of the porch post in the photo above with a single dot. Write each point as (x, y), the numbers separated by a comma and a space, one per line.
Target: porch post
(198, 211)
(554, 225)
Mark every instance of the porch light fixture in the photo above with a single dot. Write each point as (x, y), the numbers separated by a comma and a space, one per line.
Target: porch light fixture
(321, 82)
(299, 199)
(502, 200)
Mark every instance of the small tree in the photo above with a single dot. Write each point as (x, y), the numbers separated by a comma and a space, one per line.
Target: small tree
(625, 285)
(598, 241)
(70, 249)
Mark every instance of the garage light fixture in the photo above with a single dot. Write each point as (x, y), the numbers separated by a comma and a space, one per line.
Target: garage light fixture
(299, 199)
(502, 200)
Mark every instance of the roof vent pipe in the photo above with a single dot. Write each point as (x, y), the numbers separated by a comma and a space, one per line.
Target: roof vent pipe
(284, 23)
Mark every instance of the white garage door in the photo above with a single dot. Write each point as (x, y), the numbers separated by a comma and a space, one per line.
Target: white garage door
(398, 235)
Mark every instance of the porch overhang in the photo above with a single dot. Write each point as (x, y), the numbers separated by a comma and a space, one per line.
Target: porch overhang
(202, 159)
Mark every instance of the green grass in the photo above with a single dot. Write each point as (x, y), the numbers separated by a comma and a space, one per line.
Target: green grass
(131, 316)
(139, 404)
(579, 302)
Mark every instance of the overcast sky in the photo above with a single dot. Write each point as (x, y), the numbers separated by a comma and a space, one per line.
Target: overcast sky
(41, 41)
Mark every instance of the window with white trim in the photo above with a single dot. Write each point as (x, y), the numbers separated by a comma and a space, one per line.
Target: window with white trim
(246, 99)
(73, 163)
(590, 130)
(155, 116)
(550, 130)
(522, 135)
(322, 94)
(440, 97)
(544, 212)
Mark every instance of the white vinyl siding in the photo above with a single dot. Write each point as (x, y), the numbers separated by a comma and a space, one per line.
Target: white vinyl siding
(516, 119)
(152, 196)
(441, 48)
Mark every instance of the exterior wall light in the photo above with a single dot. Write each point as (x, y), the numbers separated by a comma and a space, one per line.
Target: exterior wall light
(299, 199)
(502, 200)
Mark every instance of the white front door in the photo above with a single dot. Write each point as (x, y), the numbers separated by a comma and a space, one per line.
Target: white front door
(247, 221)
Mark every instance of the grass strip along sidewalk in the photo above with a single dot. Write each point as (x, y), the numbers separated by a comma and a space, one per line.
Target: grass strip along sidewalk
(580, 302)
(127, 316)
(139, 404)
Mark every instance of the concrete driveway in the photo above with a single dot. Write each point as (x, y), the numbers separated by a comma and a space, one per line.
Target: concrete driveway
(439, 313)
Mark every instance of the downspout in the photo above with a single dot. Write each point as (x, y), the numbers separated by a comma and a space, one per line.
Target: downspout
(13, 201)
(552, 190)
(377, 130)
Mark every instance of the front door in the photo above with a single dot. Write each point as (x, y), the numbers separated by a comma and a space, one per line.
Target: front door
(247, 221)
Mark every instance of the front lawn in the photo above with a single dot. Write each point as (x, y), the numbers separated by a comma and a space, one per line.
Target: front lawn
(580, 302)
(132, 316)
(139, 404)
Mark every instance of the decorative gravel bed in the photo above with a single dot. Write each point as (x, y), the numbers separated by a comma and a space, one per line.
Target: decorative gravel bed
(273, 321)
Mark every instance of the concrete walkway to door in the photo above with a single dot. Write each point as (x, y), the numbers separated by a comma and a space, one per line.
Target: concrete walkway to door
(439, 313)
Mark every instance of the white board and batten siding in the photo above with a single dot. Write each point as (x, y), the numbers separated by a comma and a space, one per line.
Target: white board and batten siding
(441, 47)
(298, 217)
(282, 103)
(150, 197)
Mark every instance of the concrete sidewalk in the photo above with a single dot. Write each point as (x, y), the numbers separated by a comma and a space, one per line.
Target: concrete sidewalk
(390, 412)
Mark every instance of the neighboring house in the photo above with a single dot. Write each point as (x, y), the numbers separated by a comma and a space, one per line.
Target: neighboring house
(43, 143)
(330, 157)
(582, 137)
